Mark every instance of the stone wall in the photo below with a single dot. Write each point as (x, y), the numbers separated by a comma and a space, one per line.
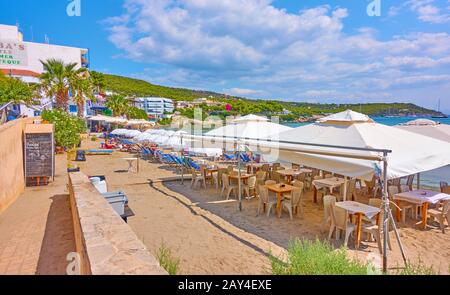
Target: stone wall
(12, 179)
(106, 244)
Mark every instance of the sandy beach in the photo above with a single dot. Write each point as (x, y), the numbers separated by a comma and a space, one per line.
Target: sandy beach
(210, 236)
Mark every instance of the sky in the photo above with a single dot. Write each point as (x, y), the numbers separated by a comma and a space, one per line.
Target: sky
(297, 50)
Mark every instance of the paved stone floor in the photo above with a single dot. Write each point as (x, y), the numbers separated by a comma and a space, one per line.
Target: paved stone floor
(36, 231)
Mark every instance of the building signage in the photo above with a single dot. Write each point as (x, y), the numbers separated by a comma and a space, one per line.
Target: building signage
(13, 53)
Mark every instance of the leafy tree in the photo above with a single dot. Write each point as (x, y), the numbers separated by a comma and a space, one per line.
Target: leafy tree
(118, 104)
(67, 127)
(12, 89)
(98, 81)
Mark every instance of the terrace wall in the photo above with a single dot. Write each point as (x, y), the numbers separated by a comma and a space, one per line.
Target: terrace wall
(12, 179)
(105, 243)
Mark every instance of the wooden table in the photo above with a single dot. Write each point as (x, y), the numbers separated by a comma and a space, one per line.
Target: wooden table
(290, 173)
(422, 198)
(279, 189)
(329, 183)
(210, 170)
(359, 210)
(244, 176)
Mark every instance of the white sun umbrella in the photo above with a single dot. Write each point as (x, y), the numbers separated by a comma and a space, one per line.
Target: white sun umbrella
(250, 126)
(411, 153)
(119, 132)
(175, 140)
(428, 127)
(132, 133)
(163, 138)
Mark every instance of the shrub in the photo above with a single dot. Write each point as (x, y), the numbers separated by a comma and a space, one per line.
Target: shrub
(316, 258)
(67, 127)
(166, 260)
(414, 269)
(93, 138)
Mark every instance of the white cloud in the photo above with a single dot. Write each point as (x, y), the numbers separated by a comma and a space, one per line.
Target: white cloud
(243, 92)
(249, 47)
(428, 11)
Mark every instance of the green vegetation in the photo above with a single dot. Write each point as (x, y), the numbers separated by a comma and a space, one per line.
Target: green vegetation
(288, 111)
(319, 258)
(67, 127)
(166, 260)
(316, 258)
(136, 113)
(138, 88)
(14, 90)
(59, 78)
(118, 104)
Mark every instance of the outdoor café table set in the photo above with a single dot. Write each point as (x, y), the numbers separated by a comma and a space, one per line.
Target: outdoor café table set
(422, 198)
(289, 174)
(329, 183)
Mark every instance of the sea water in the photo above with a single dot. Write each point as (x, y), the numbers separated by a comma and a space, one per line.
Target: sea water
(427, 179)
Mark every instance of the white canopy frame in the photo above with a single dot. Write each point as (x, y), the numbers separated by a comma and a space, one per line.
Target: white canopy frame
(348, 152)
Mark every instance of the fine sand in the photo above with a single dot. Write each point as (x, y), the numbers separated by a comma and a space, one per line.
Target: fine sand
(210, 236)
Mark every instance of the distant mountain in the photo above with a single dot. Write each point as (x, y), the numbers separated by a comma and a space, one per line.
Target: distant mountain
(289, 110)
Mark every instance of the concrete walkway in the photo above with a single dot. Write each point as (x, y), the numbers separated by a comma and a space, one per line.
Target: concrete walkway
(36, 231)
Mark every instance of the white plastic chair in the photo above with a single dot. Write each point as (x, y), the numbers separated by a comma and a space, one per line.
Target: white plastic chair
(227, 188)
(339, 222)
(294, 203)
(375, 230)
(440, 214)
(264, 200)
(197, 178)
(328, 202)
(250, 186)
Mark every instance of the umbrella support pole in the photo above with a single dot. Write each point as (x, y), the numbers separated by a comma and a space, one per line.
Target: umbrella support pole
(388, 217)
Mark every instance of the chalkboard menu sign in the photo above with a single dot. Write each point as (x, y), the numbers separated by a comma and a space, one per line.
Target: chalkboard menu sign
(39, 150)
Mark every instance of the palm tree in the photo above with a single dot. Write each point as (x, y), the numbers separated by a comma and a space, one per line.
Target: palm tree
(82, 89)
(118, 104)
(57, 79)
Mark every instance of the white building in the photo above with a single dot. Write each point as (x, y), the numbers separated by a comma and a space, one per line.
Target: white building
(22, 59)
(155, 107)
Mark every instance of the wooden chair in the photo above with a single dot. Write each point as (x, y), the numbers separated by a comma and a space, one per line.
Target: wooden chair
(295, 166)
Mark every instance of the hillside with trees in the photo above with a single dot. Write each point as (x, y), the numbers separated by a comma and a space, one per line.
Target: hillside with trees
(288, 110)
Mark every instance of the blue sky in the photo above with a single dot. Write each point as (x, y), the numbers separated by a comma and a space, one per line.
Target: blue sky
(299, 50)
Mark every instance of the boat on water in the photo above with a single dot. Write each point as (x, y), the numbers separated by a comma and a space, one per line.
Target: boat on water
(441, 116)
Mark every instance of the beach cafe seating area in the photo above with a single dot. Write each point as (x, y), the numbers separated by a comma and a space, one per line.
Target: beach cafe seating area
(351, 205)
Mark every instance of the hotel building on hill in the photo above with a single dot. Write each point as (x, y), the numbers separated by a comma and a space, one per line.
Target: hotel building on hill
(22, 59)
